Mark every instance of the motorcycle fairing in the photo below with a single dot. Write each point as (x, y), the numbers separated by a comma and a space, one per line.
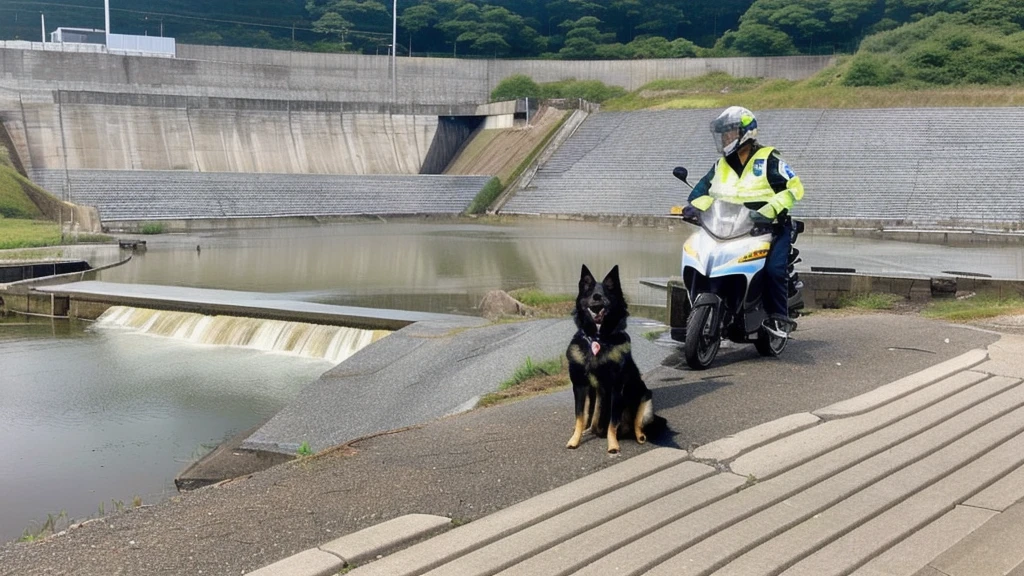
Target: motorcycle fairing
(699, 253)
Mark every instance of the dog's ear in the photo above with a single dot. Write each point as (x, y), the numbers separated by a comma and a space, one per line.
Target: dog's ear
(586, 278)
(611, 281)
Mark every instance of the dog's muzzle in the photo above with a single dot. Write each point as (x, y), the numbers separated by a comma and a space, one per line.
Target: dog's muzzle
(598, 313)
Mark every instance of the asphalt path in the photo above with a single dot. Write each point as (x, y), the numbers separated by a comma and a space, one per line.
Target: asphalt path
(471, 464)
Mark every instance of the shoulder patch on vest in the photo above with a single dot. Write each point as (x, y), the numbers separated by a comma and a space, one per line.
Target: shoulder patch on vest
(785, 169)
(758, 167)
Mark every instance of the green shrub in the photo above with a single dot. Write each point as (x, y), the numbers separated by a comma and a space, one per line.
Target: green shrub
(872, 70)
(487, 195)
(515, 87)
(152, 228)
(522, 86)
(590, 90)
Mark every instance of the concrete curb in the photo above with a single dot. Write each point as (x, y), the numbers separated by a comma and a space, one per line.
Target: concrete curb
(902, 387)
(732, 446)
(727, 449)
(357, 547)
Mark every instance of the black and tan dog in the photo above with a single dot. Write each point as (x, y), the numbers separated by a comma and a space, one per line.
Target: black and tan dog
(610, 395)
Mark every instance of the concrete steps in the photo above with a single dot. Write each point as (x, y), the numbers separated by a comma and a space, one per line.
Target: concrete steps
(152, 195)
(910, 477)
(920, 165)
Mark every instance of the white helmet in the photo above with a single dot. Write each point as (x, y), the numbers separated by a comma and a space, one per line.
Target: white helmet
(732, 128)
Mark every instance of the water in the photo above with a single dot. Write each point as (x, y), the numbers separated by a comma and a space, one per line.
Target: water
(89, 415)
(331, 343)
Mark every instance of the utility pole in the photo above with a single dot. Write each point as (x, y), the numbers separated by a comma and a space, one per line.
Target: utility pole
(42, 18)
(394, 51)
(106, 22)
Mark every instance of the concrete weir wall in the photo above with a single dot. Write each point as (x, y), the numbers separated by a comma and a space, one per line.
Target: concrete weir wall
(90, 131)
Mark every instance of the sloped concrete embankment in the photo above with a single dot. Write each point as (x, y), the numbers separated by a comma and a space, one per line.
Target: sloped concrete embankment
(393, 383)
(620, 164)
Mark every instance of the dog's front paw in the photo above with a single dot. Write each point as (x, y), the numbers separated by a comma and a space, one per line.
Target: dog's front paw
(572, 445)
(613, 451)
(641, 438)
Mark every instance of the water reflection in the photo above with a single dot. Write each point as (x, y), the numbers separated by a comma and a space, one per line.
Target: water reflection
(88, 417)
(448, 267)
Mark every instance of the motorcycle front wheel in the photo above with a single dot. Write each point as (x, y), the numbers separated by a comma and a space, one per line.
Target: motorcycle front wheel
(701, 344)
(768, 344)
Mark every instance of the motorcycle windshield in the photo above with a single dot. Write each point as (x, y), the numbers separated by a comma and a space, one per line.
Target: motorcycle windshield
(725, 220)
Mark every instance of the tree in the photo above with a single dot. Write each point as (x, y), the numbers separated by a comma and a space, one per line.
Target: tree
(757, 40)
(333, 23)
(416, 18)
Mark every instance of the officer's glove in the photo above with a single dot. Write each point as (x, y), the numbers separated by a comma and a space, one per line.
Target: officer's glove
(691, 213)
(759, 218)
(768, 211)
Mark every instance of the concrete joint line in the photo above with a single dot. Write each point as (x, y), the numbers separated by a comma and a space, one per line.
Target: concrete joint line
(723, 451)
(893, 391)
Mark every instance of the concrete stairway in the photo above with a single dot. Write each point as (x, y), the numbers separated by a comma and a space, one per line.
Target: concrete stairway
(152, 195)
(920, 165)
(884, 483)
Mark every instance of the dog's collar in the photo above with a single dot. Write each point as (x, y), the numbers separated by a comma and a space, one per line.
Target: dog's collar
(593, 341)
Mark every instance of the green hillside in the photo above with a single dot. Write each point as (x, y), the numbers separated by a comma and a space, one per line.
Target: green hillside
(14, 201)
(901, 42)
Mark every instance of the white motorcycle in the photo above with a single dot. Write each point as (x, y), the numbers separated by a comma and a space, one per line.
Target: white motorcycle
(723, 273)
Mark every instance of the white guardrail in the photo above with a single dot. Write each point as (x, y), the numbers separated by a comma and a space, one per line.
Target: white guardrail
(119, 44)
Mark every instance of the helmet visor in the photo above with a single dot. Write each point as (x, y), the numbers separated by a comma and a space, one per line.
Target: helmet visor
(726, 139)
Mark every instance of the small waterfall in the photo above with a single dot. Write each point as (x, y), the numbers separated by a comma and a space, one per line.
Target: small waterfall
(331, 343)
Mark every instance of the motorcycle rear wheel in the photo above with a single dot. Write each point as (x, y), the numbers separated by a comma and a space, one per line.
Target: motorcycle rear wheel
(768, 344)
(701, 345)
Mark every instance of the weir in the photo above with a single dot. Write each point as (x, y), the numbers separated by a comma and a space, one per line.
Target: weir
(331, 343)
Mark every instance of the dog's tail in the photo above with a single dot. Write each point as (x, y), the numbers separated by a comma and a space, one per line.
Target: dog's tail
(656, 426)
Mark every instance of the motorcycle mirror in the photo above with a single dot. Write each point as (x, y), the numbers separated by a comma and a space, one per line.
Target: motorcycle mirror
(680, 172)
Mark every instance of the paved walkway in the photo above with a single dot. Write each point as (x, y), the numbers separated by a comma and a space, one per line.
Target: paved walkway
(918, 477)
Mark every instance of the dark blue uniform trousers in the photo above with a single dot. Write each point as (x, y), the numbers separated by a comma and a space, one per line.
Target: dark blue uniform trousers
(776, 286)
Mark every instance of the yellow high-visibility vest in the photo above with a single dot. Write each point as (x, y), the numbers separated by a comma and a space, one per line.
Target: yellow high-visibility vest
(752, 185)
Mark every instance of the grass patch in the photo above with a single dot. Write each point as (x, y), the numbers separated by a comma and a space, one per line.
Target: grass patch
(535, 297)
(974, 308)
(152, 228)
(14, 202)
(872, 301)
(545, 303)
(653, 335)
(718, 90)
(19, 233)
(528, 379)
(52, 525)
(487, 195)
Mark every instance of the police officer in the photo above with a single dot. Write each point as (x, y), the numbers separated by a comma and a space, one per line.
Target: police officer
(756, 176)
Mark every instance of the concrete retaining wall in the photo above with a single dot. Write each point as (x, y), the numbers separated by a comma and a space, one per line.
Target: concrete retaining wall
(270, 74)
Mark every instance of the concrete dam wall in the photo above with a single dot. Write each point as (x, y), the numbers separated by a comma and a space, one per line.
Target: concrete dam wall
(98, 131)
